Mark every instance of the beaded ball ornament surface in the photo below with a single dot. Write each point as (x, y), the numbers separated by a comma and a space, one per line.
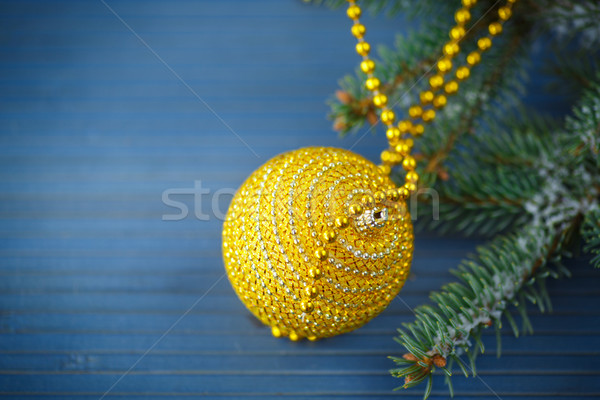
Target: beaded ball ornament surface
(317, 242)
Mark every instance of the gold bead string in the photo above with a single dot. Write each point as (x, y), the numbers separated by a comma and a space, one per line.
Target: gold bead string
(432, 99)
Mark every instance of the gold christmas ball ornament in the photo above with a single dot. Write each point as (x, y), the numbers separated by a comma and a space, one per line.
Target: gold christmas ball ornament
(317, 242)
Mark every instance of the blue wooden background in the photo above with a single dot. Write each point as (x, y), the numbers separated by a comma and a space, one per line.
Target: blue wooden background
(95, 125)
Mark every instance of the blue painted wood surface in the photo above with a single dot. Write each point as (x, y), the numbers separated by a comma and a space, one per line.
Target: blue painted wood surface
(93, 282)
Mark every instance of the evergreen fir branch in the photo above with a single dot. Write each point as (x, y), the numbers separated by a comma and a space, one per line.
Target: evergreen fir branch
(584, 126)
(491, 182)
(519, 139)
(571, 20)
(571, 71)
(509, 270)
(583, 144)
(513, 268)
(591, 235)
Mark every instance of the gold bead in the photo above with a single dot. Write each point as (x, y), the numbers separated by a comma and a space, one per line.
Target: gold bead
(385, 169)
(444, 65)
(403, 193)
(417, 130)
(462, 16)
(504, 13)
(341, 222)
(386, 156)
(409, 142)
(307, 306)
(395, 158)
(379, 197)
(367, 66)
(358, 30)
(440, 101)
(409, 163)
(428, 115)
(392, 195)
(469, 3)
(412, 176)
(415, 111)
(367, 201)
(402, 148)
(380, 100)
(436, 81)
(495, 28)
(457, 33)
(372, 83)
(275, 331)
(426, 97)
(484, 43)
(388, 117)
(363, 48)
(353, 11)
(473, 58)
(410, 186)
(463, 73)
(451, 49)
(312, 338)
(355, 209)
(311, 291)
(451, 87)
(294, 336)
(321, 254)
(393, 134)
(404, 126)
(329, 236)
(315, 273)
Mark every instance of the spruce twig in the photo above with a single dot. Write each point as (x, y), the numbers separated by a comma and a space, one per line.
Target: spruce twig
(591, 235)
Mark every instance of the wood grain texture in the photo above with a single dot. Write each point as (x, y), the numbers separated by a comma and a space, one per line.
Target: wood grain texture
(94, 128)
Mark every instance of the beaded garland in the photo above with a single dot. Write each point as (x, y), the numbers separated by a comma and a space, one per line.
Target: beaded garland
(318, 241)
(432, 99)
